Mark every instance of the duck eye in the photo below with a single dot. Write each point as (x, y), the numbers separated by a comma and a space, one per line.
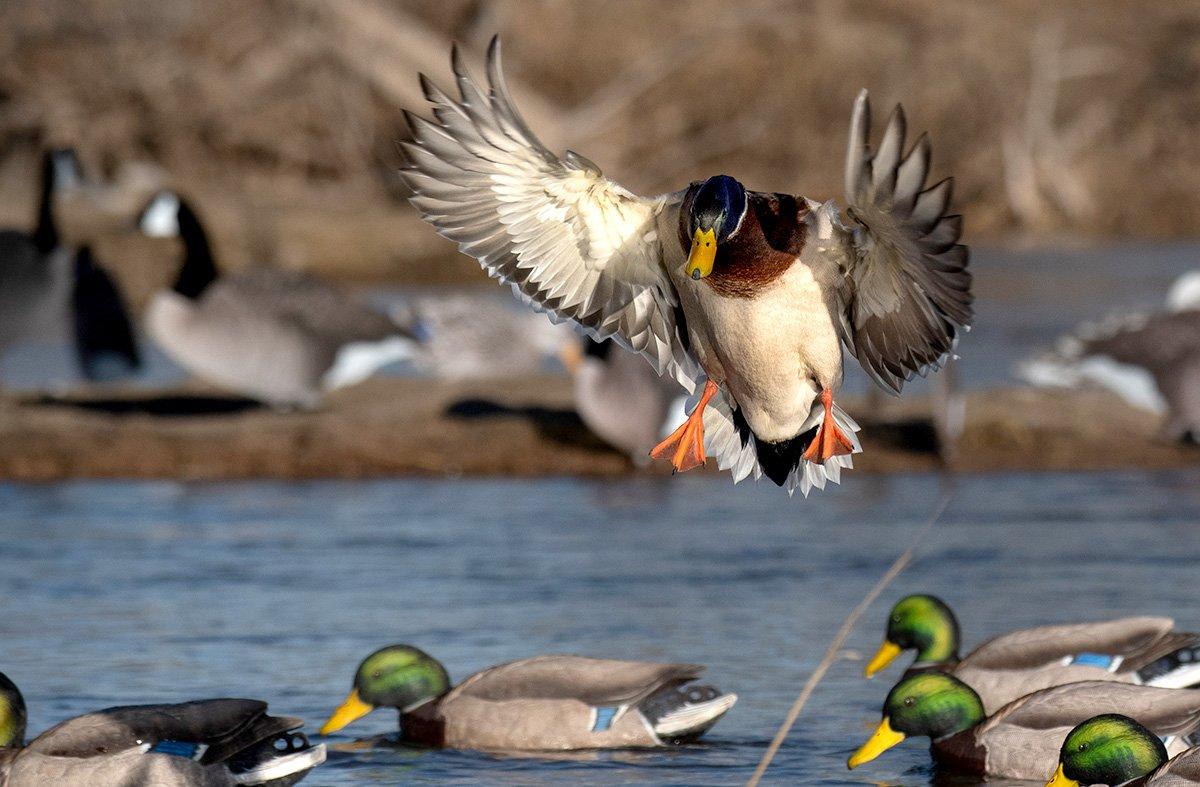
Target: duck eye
(908, 702)
(895, 618)
(376, 673)
(1082, 747)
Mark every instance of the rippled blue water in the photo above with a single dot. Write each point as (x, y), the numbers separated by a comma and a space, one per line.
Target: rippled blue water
(136, 592)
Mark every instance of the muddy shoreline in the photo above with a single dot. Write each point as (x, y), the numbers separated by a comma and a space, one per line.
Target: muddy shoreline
(403, 427)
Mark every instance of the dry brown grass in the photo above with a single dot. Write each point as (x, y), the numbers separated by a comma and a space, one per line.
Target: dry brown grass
(281, 116)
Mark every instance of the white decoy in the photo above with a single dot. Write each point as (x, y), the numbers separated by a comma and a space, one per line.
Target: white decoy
(1151, 361)
(49, 291)
(282, 337)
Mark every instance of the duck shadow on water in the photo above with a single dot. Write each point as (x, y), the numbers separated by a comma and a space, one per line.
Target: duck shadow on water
(162, 406)
(562, 426)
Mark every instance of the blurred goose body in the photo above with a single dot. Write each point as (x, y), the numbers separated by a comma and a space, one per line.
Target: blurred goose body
(543, 703)
(208, 743)
(1114, 749)
(1022, 739)
(51, 291)
(1141, 650)
(471, 336)
(743, 297)
(622, 400)
(1152, 361)
(282, 337)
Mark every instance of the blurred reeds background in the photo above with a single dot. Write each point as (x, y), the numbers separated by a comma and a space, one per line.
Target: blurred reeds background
(1059, 121)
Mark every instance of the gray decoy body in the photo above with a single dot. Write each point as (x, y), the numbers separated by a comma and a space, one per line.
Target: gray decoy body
(544, 703)
(282, 337)
(207, 743)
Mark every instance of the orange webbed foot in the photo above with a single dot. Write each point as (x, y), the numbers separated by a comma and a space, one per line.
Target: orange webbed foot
(829, 440)
(685, 446)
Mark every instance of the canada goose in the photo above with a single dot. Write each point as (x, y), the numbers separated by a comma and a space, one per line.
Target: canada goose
(621, 398)
(746, 295)
(282, 337)
(45, 286)
(555, 702)
(1151, 361)
(207, 743)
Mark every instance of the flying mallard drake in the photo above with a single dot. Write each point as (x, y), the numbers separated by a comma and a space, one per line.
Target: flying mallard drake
(209, 743)
(542, 703)
(1022, 739)
(751, 294)
(1144, 650)
(1116, 750)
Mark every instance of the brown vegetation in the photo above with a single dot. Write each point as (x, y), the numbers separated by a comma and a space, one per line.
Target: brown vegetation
(280, 116)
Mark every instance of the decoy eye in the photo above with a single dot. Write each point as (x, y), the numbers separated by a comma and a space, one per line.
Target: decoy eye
(908, 702)
(376, 673)
(895, 618)
(1082, 746)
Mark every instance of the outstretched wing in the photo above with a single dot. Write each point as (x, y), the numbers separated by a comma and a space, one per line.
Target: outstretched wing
(567, 239)
(906, 291)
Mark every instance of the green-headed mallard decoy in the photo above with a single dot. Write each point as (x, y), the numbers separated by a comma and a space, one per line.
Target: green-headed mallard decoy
(1022, 739)
(752, 294)
(283, 337)
(542, 703)
(1144, 650)
(1116, 750)
(208, 743)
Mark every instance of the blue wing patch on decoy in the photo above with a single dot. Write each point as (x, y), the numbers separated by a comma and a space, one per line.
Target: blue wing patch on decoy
(189, 751)
(1101, 660)
(604, 719)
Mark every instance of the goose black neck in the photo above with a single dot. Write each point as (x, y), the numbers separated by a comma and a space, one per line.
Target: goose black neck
(45, 236)
(199, 270)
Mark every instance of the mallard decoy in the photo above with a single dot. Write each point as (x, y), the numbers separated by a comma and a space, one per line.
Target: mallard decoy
(207, 743)
(750, 294)
(45, 284)
(282, 337)
(1145, 650)
(620, 398)
(1151, 361)
(1022, 739)
(541, 703)
(1114, 749)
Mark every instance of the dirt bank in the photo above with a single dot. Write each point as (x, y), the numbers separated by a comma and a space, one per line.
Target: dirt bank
(391, 427)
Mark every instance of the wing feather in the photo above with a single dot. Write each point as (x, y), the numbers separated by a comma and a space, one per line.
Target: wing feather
(905, 290)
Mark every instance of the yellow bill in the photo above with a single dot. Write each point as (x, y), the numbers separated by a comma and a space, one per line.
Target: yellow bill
(884, 656)
(883, 739)
(350, 710)
(1060, 779)
(704, 251)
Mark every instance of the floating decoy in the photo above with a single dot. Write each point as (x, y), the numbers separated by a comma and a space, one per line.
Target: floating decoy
(1144, 650)
(541, 703)
(744, 295)
(1022, 739)
(207, 743)
(1151, 361)
(1114, 749)
(620, 398)
(44, 283)
(282, 337)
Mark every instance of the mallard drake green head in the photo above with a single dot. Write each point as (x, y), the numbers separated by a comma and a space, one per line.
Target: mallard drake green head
(932, 704)
(919, 622)
(12, 714)
(714, 215)
(1108, 749)
(398, 676)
